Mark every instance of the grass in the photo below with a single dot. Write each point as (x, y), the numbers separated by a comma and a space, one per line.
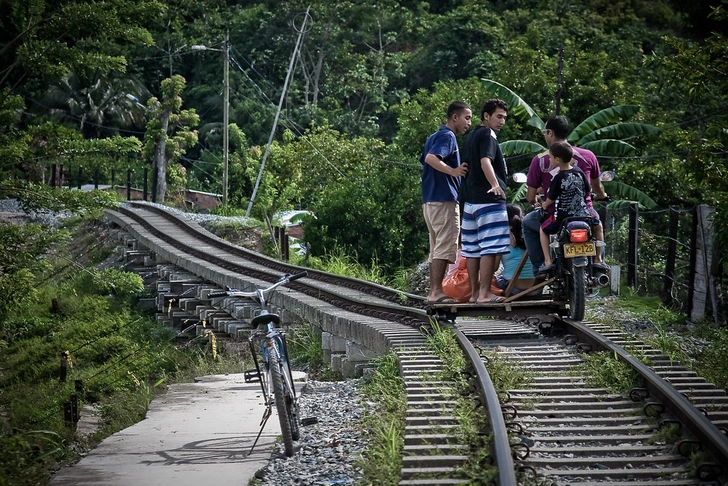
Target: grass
(119, 356)
(699, 346)
(605, 370)
(383, 422)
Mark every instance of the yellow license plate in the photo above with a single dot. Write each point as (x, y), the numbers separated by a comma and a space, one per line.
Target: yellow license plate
(572, 250)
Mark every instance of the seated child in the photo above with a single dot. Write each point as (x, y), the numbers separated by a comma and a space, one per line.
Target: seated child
(511, 260)
(569, 190)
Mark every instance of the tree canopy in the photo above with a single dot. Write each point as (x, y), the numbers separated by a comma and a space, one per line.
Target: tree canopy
(642, 83)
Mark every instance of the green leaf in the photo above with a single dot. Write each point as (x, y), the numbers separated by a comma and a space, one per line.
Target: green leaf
(609, 147)
(621, 131)
(627, 194)
(602, 119)
(516, 105)
(520, 147)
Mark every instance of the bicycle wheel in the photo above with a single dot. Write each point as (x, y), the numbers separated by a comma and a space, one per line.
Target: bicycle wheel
(278, 384)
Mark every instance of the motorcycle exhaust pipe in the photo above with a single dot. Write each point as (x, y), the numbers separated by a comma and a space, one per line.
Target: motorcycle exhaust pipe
(603, 279)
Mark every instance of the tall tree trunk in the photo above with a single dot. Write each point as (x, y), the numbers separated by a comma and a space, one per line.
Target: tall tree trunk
(160, 157)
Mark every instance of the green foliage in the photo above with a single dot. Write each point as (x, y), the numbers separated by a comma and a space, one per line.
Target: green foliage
(21, 249)
(709, 359)
(383, 422)
(169, 130)
(604, 369)
(28, 456)
(305, 347)
(111, 281)
(40, 197)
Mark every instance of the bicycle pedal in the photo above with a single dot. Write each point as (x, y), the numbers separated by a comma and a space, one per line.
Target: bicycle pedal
(309, 421)
(251, 375)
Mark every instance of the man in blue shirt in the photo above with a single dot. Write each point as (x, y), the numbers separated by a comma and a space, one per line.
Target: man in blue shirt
(441, 172)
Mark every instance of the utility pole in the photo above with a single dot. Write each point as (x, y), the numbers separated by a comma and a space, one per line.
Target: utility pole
(225, 118)
(278, 112)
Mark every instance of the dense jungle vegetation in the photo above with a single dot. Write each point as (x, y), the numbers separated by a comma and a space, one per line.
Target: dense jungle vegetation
(119, 84)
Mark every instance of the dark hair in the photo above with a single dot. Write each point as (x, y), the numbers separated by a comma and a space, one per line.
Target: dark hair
(559, 126)
(490, 106)
(456, 107)
(515, 221)
(561, 150)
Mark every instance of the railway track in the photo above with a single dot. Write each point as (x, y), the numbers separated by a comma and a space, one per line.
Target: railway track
(557, 430)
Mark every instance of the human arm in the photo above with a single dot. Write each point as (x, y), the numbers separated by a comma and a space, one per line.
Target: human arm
(439, 165)
(487, 166)
(548, 202)
(532, 196)
(598, 189)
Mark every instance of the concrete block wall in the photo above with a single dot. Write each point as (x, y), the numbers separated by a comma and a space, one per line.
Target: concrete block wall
(354, 339)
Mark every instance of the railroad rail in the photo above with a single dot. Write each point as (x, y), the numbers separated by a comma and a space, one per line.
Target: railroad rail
(532, 333)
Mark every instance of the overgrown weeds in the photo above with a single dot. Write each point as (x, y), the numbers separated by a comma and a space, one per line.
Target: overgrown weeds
(80, 333)
(383, 422)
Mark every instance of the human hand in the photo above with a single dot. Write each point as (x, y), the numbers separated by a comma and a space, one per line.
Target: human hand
(461, 170)
(497, 191)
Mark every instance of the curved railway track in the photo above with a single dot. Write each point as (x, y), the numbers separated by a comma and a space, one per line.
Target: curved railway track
(555, 431)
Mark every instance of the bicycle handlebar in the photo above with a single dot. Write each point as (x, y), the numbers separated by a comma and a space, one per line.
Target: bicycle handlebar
(241, 293)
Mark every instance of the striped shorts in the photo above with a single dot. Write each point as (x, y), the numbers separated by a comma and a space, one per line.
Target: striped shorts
(485, 230)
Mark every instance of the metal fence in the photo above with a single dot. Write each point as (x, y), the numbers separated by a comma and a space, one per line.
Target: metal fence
(667, 252)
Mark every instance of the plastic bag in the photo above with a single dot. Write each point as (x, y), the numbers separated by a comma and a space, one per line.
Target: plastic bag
(456, 283)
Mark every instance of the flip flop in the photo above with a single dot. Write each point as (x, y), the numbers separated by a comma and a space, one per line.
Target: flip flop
(443, 300)
(493, 299)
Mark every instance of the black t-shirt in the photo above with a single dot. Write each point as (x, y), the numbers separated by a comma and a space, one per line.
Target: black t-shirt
(480, 143)
(569, 190)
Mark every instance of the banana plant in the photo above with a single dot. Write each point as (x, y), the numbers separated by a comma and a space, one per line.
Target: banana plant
(603, 133)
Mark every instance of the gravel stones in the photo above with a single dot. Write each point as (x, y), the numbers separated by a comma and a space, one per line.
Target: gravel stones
(327, 452)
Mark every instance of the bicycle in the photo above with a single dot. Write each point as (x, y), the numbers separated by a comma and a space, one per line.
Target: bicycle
(276, 380)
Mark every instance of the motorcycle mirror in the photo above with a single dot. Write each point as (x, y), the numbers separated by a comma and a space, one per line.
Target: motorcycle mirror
(607, 176)
(520, 177)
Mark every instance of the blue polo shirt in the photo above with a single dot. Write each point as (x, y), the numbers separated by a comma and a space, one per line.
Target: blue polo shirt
(438, 186)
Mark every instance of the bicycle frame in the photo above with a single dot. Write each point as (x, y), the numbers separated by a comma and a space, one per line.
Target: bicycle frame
(276, 376)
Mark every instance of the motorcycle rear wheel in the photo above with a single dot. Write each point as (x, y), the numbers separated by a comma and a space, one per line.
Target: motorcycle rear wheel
(577, 299)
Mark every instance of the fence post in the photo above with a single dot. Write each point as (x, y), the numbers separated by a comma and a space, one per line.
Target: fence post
(154, 186)
(145, 183)
(128, 184)
(284, 244)
(96, 179)
(634, 227)
(79, 177)
(669, 281)
(52, 182)
(702, 287)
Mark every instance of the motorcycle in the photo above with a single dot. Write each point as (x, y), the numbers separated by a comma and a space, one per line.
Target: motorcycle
(573, 249)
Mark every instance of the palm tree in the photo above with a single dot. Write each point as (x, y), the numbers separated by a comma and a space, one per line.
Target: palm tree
(604, 133)
(100, 107)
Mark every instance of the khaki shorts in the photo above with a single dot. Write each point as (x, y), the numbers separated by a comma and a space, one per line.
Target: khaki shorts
(443, 224)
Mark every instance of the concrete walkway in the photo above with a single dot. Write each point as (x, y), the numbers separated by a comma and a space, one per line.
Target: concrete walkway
(197, 434)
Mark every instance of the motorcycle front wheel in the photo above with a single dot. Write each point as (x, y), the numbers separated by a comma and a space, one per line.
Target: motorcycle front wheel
(577, 299)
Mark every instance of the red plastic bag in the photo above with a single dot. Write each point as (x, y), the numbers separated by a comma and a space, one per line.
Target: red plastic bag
(456, 283)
